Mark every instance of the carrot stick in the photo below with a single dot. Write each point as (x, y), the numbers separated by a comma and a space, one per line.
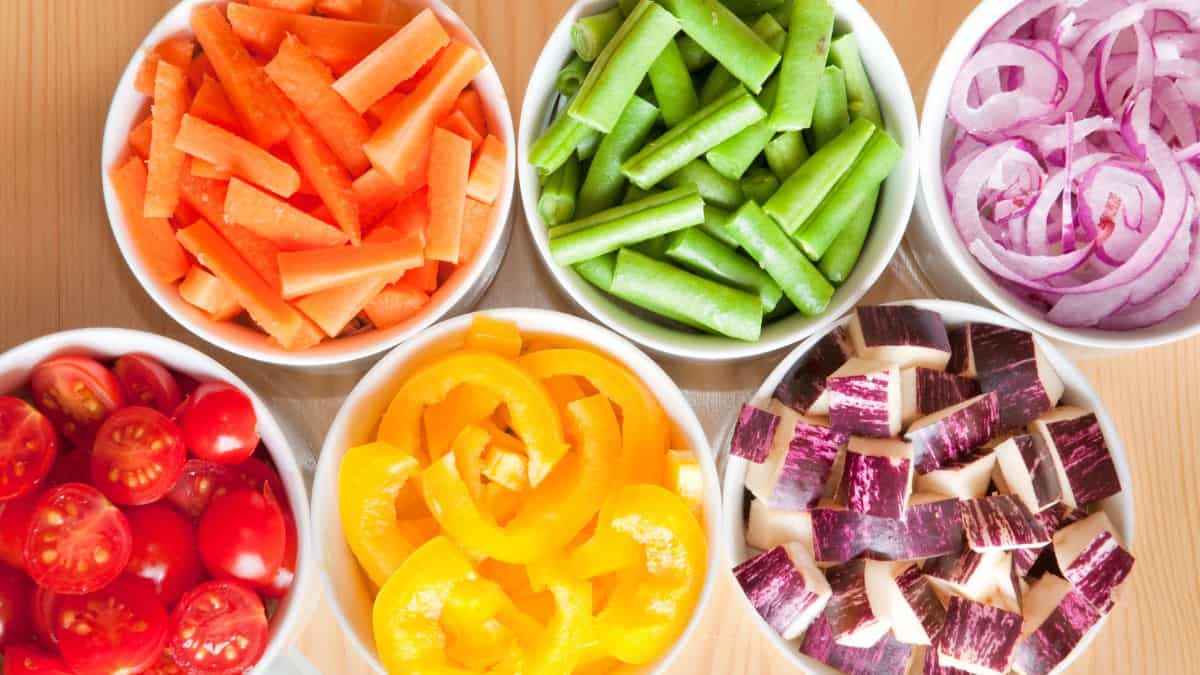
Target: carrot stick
(449, 167)
(205, 169)
(488, 172)
(141, 137)
(207, 197)
(153, 238)
(393, 62)
(212, 105)
(395, 305)
(410, 216)
(471, 105)
(297, 6)
(230, 151)
(334, 308)
(425, 277)
(306, 272)
(339, 43)
(243, 79)
(457, 123)
(209, 294)
(308, 83)
(286, 226)
(384, 107)
(393, 148)
(200, 68)
(166, 161)
(176, 51)
(339, 8)
(477, 220)
(377, 195)
(326, 174)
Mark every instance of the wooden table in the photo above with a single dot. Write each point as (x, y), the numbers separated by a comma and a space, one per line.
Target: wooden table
(60, 269)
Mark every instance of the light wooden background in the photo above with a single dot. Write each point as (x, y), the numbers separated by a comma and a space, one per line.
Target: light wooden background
(60, 268)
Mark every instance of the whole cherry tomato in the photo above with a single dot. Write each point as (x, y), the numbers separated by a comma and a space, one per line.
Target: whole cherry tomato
(164, 550)
(242, 536)
(219, 424)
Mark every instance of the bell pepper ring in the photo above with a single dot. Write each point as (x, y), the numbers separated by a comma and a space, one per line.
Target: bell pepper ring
(370, 480)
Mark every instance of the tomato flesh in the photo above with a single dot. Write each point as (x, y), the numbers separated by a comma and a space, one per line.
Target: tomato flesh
(242, 536)
(145, 382)
(138, 456)
(117, 630)
(219, 627)
(77, 394)
(78, 542)
(15, 517)
(16, 593)
(164, 550)
(28, 447)
(42, 609)
(219, 424)
(165, 666)
(201, 482)
(29, 660)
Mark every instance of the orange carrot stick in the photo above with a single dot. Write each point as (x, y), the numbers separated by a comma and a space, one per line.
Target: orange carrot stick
(166, 161)
(141, 137)
(449, 167)
(341, 44)
(308, 83)
(207, 197)
(281, 223)
(176, 51)
(488, 172)
(205, 169)
(411, 216)
(377, 195)
(209, 294)
(471, 105)
(200, 68)
(395, 305)
(334, 308)
(384, 107)
(424, 277)
(328, 177)
(306, 272)
(230, 151)
(212, 105)
(477, 220)
(394, 147)
(298, 6)
(457, 123)
(153, 238)
(393, 62)
(339, 8)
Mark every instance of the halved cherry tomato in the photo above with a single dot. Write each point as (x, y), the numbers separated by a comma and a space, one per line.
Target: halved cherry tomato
(15, 517)
(29, 660)
(201, 482)
(219, 423)
(242, 536)
(78, 542)
(28, 447)
(77, 394)
(119, 629)
(16, 591)
(146, 382)
(138, 456)
(73, 466)
(165, 666)
(164, 550)
(218, 627)
(42, 611)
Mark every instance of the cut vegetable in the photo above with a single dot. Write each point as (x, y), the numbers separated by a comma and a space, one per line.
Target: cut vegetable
(753, 434)
(212, 105)
(864, 399)
(768, 527)
(805, 384)
(487, 172)
(284, 225)
(393, 62)
(242, 158)
(968, 574)
(329, 178)
(888, 656)
(730, 41)
(978, 638)
(1092, 559)
(803, 192)
(449, 171)
(685, 478)
(333, 309)
(165, 161)
(1028, 470)
(341, 44)
(900, 334)
(877, 477)
(207, 197)
(967, 478)
(141, 138)
(925, 391)
(177, 51)
(848, 612)
(1010, 363)
(800, 461)
(1086, 472)
(305, 272)
(1001, 523)
(931, 527)
(902, 597)
(785, 587)
(1057, 619)
(153, 238)
(209, 294)
(395, 304)
(949, 435)
(804, 57)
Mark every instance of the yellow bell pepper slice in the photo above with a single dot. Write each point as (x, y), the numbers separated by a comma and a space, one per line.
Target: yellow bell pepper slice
(467, 451)
(370, 479)
(685, 478)
(560, 648)
(507, 468)
(466, 404)
(493, 335)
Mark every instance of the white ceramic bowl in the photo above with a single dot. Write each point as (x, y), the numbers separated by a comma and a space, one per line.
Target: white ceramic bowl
(349, 591)
(1077, 392)
(895, 207)
(110, 343)
(458, 294)
(936, 238)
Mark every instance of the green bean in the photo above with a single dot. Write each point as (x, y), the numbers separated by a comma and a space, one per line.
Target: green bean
(627, 6)
(598, 271)
(733, 157)
(655, 248)
(775, 253)
(744, 7)
(715, 188)
(802, 193)
(673, 86)
(571, 77)
(708, 257)
(844, 54)
(831, 114)
(604, 183)
(653, 199)
(731, 42)
(557, 203)
(759, 184)
(557, 143)
(716, 225)
(783, 13)
(588, 145)
(786, 153)
(622, 65)
(876, 161)
(627, 230)
(634, 193)
(665, 289)
(591, 33)
(803, 58)
(841, 258)
(783, 309)
(720, 80)
(693, 54)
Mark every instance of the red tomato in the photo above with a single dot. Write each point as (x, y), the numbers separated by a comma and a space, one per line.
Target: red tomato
(138, 456)
(187, 383)
(28, 446)
(15, 517)
(201, 482)
(242, 536)
(164, 550)
(29, 660)
(219, 424)
(281, 583)
(42, 610)
(120, 629)
(77, 394)
(16, 591)
(73, 466)
(165, 666)
(219, 627)
(78, 542)
(146, 382)
(259, 473)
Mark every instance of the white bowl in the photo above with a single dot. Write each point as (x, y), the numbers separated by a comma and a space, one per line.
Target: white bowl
(349, 591)
(110, 343)
(895, 207)
(1077, 392)
(458, 294)
(937, 237)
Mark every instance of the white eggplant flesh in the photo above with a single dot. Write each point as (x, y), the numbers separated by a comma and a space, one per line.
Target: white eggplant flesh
(966, 479)
(801, 458)
(768, 527)
(1028, 470)
(849, 612)
(887, 656)
(902, 596)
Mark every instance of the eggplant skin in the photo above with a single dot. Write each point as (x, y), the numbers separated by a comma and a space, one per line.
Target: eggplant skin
(955, 436)
(937, 390)
(979, 634)
(1006, 362)
(1001, 521)
(1099, 570)
(753, 434)
(960, 350)
(801, 387)
(810, 457)
(1085, 458)
(1053, 641)
(776, 589)
(903, 326)
(886, 657)
(848, 609)
(926, 531)
(876, 485)
(919, 594)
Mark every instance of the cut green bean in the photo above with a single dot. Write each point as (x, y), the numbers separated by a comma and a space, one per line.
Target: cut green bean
(691, 138)
(844, 54)
(720, 80)
(591, 34)
(557, 203)
(873, 166)
(783, 13)
(655, 248)
(588, 145)
(634, 193)
(673, 88)
(619, 70)
(802, 193)
(803, 59)
(652, 199)
(694, 55)
(570, 78)
(557, 143)
(759, 184)
(688, 298)
(644, 224)
(775, 253)
(716, 225)
(746, 7)
(831, 114)
(715, 188)
(731, 42)
(627, 6)
(708, 257)
(842, 257)
(785, 308)
(733, 157)
(604, 183)
(786, 153)
(598, 271)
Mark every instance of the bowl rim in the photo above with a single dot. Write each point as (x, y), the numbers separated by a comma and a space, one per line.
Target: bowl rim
(654, 335)
(953, 312)
(282, 445)
(465, 286)
(934, 207)
(540, 321)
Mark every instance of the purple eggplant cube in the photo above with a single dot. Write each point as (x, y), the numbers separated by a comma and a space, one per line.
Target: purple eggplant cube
(1028, 470)
(978, 638)
(925, 391)
(805, 383)
(1092, 559)
(1009, 363)
(1084, 464)
(877, 478)
(866, 404)
(753, 434)
(900, 334)
(950, 435)
(1002, 523)
(887, 656)
(1058, 618)
(785, 588)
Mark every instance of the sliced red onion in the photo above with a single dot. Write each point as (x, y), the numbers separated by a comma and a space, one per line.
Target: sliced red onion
(1034, 100)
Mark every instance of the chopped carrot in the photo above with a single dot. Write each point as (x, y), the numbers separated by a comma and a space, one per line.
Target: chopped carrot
(410, 85)
(424, 277)
(166, 161)
(393, 62)
(207, 197)
(334, 308)
(279, 319)
(242, 77)
(488, 172)
(377, 194)
(477, 220)
(230, 151)
(449, 166)
(394, 147)
(141, 137)
(374, 11)
(308, 337)
(308, 83)
(209, 294)
(340, 8)
(385, 106)
(284, 153)
(205, 169)
(305, 272)
(328, 177)
(176, 51)
(395, 305)
(411, 216)
(154, 238)
(298, 6)
(471, 105)
(281, 223)
(211, 105)
(200, 68)
(184, 215)
(341, 44)
(458, 123)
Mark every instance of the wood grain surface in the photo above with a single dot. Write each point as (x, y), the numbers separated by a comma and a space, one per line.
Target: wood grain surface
(60, 269)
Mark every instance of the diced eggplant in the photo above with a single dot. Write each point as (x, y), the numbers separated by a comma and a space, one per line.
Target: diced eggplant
(902, 596)
(878, 476)
(950, 435)
(1028, 471)
(840, 534)
(1054, 518)
(1057, 619)
(1086, 473)
(962, 361)
(753, 434)
(1001, 523)
(868, 403)
(925, 391)
(1009, 588)
(1093, 560)
(888, 656)
(1009, 363)
(849, 609)
(930, 527)
(785, 587)
(933, 666)
(965, 479)
(851, 368)
(805, 383)
(978, 638)
(971, 574)
(900, 334)
(798, 465)
(768, 527)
